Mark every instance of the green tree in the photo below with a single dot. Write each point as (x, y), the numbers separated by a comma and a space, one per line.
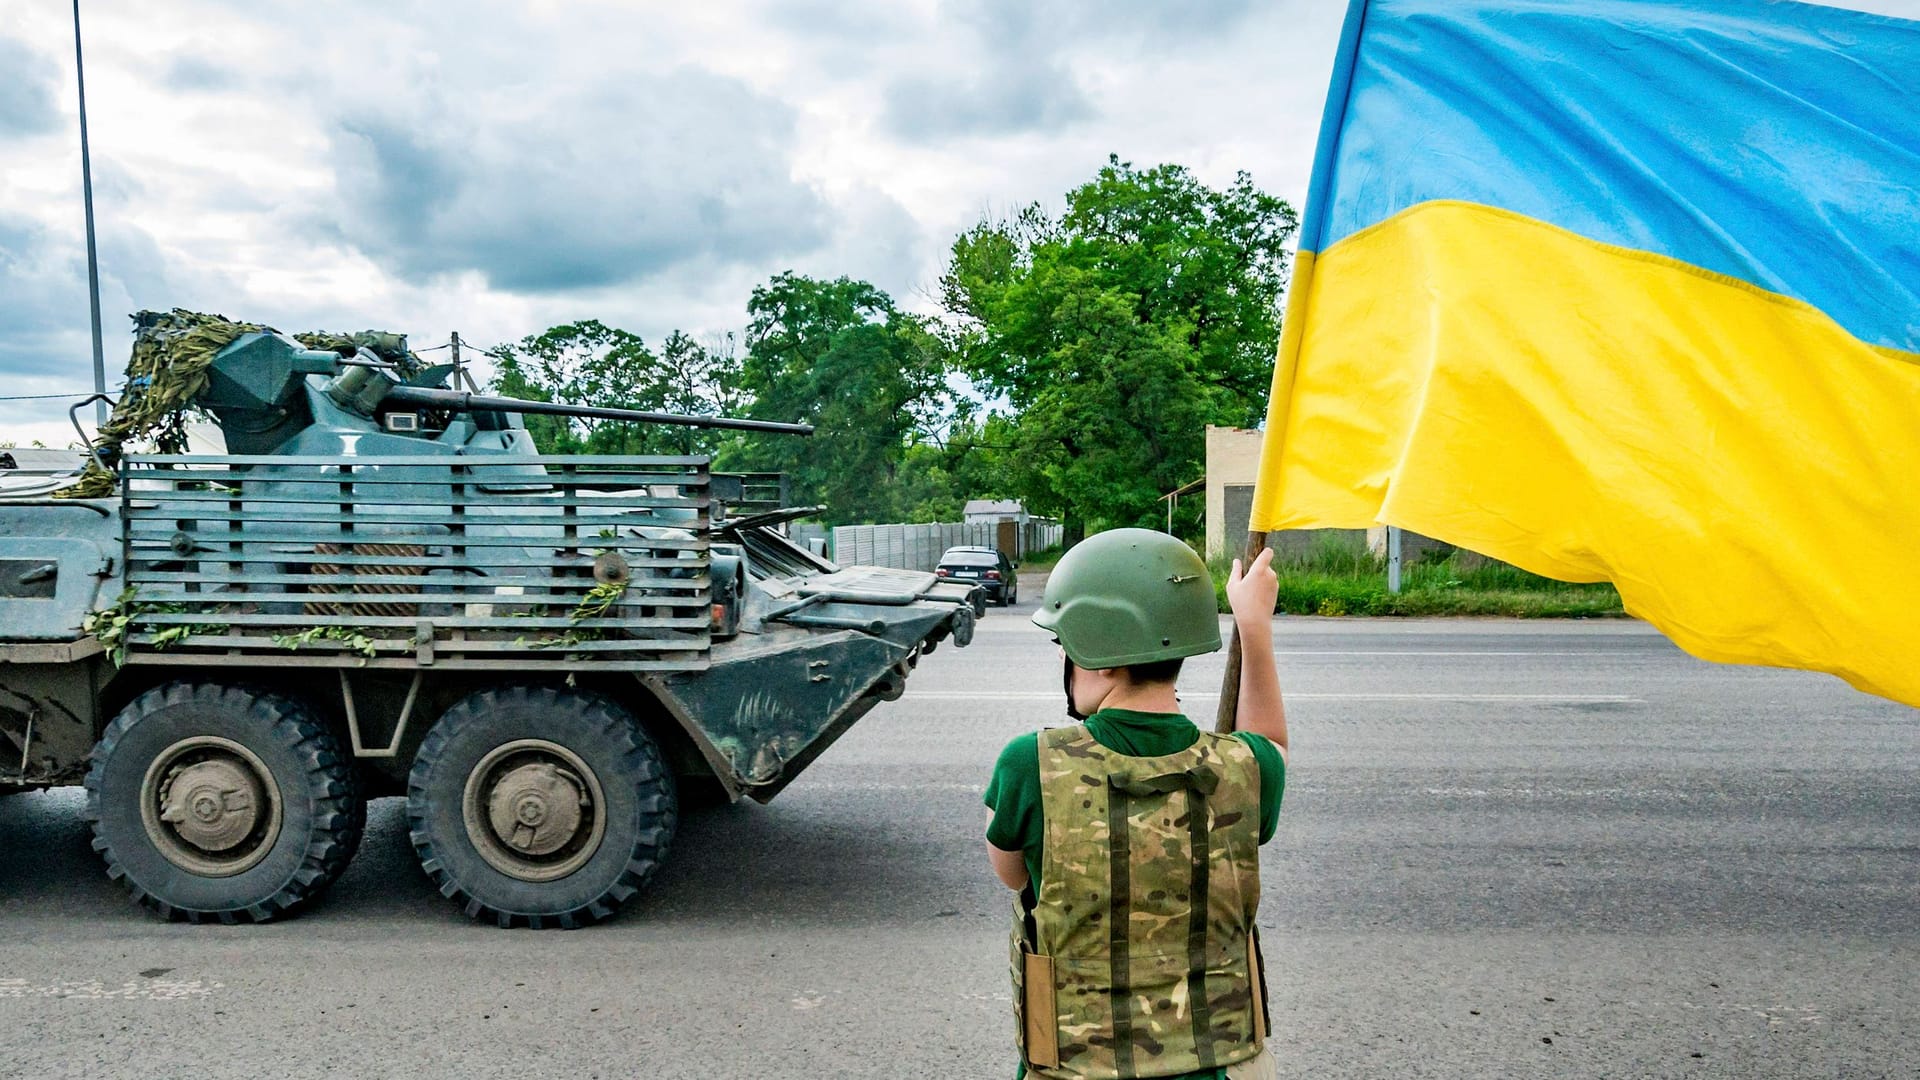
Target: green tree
(870, 378)
(1116, 332)
(590, 363)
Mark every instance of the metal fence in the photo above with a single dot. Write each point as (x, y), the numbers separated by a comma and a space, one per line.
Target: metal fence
(404, 562)
(744, 494)
(918, 547)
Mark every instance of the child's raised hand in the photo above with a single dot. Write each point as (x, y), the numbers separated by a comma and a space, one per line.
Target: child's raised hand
(1251, 594)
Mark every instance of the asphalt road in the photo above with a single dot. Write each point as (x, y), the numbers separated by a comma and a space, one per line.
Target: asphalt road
(1519, 849)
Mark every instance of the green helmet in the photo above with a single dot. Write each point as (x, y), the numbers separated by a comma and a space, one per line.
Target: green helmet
(1130, 596)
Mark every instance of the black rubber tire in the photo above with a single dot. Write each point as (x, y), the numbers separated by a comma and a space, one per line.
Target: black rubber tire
(323, 814)
(641, 805)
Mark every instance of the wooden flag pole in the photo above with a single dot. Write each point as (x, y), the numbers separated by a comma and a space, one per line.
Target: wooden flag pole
(1228, 716)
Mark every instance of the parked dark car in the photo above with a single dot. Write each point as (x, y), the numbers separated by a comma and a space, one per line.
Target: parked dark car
(992, 569)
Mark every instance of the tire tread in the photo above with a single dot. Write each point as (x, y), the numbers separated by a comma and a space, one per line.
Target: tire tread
(339, 816)
(638, 753)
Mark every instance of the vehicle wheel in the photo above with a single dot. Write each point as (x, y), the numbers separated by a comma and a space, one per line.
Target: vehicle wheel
(539, 806)
(222, 802)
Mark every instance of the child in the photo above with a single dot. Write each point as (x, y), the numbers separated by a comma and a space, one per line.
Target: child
(1133, 837)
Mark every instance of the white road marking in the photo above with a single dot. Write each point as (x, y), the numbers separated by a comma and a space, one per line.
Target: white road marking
(1441, 652)
(95, 990)
(1051, 695)
(839, 785)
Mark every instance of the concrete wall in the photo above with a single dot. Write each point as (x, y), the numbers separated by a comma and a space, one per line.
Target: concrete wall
(919, 547)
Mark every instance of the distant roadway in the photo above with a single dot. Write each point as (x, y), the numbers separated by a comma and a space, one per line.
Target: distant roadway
(1530, 849)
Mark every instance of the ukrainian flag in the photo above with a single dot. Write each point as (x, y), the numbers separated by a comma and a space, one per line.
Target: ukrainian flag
(1625, 290)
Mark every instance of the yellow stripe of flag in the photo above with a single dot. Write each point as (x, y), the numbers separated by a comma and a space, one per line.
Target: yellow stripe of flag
(1744, 469)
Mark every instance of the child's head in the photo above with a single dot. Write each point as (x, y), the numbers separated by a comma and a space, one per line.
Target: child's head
(1127, 606)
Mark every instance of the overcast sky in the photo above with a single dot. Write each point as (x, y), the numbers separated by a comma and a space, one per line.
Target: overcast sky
(497, 168)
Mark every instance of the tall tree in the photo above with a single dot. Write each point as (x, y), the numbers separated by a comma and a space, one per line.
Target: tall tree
(590, 363)
(1117, 331)
(870, 378)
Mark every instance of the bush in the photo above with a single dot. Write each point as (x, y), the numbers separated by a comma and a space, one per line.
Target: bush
(1336, 579)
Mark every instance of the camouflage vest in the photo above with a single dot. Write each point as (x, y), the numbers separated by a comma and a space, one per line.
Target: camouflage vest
(1137, 958)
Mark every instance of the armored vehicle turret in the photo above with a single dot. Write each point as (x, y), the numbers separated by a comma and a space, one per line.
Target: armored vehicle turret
(382, 588)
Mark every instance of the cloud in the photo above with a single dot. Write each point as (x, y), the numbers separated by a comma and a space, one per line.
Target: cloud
(1188, 20)
(850, 20)
(192, 72)
(43, 301)
(1007, 67)
(1008, 95)
(576, 187)
(28, 83)
(498, 166)
(1009, 81)
(40, 294)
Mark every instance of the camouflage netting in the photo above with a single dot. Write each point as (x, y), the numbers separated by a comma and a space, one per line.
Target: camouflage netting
(168, 372)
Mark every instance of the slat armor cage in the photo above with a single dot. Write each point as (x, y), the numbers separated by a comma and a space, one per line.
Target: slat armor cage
(528, 563)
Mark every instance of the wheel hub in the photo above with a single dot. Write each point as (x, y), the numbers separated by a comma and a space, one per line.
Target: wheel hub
(210, 806)
(536, 808)
(533, 810)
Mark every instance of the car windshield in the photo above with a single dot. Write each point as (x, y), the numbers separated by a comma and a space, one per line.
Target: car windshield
(969, 558)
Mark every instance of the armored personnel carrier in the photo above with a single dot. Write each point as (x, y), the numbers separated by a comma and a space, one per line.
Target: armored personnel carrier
(382, 588)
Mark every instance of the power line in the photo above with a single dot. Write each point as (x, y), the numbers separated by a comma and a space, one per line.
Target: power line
(40, 397)
(493, 352)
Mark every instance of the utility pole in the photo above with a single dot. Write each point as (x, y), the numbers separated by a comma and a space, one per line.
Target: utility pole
(460, 372)
(1393, 559)
(93, 258)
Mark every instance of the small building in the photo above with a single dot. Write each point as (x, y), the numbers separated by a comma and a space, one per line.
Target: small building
(994, 511)
(1233, 461)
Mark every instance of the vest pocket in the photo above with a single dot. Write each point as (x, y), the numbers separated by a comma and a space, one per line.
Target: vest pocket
(1039, 1011)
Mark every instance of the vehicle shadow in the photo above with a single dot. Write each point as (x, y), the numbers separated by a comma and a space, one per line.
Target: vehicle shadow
(47, 864)
(827, 857)
(813, 857)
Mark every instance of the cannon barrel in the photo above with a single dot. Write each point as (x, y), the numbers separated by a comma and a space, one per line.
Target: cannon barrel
(461, 401)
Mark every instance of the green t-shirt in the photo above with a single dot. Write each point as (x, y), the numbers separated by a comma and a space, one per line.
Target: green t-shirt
(1014, 792)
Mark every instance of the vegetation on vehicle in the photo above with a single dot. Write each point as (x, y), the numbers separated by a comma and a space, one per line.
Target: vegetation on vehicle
(111, 625)
(167, 374)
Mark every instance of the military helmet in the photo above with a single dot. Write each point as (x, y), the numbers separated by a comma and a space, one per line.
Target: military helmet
(1130, 596)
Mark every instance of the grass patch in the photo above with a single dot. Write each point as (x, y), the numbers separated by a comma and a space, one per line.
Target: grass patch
(1336, 580)
(1043, 559)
